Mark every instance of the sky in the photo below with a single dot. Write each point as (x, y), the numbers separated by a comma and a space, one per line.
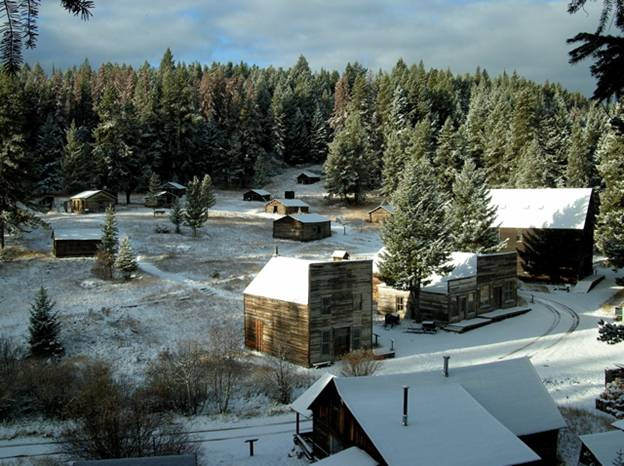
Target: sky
(523, 35)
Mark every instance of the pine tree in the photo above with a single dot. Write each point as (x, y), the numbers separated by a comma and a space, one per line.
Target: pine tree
(176, 215)
(261, 171)
(471, 216)
(153, 189)
(44, 328)
(318, 143)
(445, 160)
(416, 236)
(199, 198)
(532, 168)
(105, 258)
(75, 162)
(398, 135)
(126, 261)
(580, 164)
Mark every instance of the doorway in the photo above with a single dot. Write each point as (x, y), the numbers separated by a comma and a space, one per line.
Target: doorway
(498, 297)
(342, 340)
(461, 307)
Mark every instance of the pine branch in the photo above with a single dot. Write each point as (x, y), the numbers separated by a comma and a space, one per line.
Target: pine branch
(11, 42)
(80, 8)
(30, 13)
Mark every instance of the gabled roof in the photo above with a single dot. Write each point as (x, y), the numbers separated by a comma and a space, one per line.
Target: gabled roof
(282, 278)
(261, 192)
(87, 234)
(309, 174)
(386, 207)
(340, 253)
(605, 445)
(91, 193)
(464, 266)
(291, 202)
(173, 184)
(308, 218)
(350, 457)
(302, 403)
(548, 208)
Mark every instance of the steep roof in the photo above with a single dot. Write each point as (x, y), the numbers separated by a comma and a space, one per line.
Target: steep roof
(387, 207)
(282, 278)
(340, 254)
(88, 194)
(464, 265)
(291, 202)
(561, 208)
(77, 234)
(309, 218)
(605, 445)
(302, 403)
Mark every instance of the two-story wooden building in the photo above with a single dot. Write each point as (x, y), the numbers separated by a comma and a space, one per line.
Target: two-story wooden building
(477, 284)
(492, 414)
(311, 312)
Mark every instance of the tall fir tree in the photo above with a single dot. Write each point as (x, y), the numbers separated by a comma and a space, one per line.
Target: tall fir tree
(199, 198)
(176, 215)
(153, 189)
(579, 168)
(75, 163)
(105, 258)
(531, 165)
(45, 328)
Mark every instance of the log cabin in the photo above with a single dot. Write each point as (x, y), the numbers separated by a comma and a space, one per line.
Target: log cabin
(306, 177)
(286, 206)
(174, 188)
(497, 413)
(257, 195)
(552, 231)
(92, 201)
(309, 312)
(302, 227)
(477, 284)
(76, 243)
(161, 199)
(380, 213)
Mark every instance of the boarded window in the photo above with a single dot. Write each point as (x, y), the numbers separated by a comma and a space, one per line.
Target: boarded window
(484, 294)
(508, 291)
(325, 336)
(327, 305)
(400, 304)
(356, 339)
(357, 301)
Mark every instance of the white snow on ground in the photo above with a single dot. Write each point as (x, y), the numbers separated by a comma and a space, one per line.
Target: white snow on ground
(187, 284)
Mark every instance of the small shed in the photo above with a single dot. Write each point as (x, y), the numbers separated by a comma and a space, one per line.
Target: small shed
(91, 201)
(76, 243)
(161, 199)
(286, 206)
(257, 195)
(602, 448)
(306, 177)
(302, 227)
(289, 194)
(380, 213)
(174, 188)
(340, 255)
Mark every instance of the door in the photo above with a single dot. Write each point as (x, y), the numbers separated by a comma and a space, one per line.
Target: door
(342, 341)
(254, 333)
(461, 307)
(498, 297)
(274, 209)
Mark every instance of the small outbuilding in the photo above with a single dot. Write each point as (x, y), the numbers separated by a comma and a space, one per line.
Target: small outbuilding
(289, 194)
(601, 449)
(257, 195)
(380, 213)
(307, 177)
(161, 199)
(340, 255)
(76, 243)
(174, 188)
(286, 206)
(302, 227)
(92, 201)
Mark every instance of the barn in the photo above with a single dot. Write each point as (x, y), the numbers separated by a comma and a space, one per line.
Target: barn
(380, 213)
(286, 206)
(174, 188)
(92, 201)
(302, 227)
(477, 284)
(257, 195)
(309, 312)
(306, 177)
(76, 243)
(161, 199)
(497, 413)
(551, 229)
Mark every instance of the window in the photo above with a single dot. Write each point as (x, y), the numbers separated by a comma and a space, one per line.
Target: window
(327, 303)
(508, 291)
(325, 335)
(356, 340)
(484, 294)
(400, 305)
(357, 301)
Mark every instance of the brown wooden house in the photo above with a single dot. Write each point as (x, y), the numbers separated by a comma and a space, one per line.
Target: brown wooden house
(491, 414)
(477, 284)
(161, 199)
(302, 227)
(380, 213)
(551, 229)
(286, 206)
(92, 201)
(76, 243)
(257, 195)
(306, 177)
(174, 188)
(312, 312)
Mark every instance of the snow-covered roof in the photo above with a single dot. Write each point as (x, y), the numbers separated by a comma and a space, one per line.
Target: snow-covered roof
(78, 234)
(87, 194)
(282, 278)
(464, 265)
(560, 208)
(446, 425)
(302, 403)
(350, 457)
(261, 192)
(291, 202)
(619, 424)
(387, 207)
(340, 254)
(605, 445)
(309, 218)
(310, 174)
(173, 184)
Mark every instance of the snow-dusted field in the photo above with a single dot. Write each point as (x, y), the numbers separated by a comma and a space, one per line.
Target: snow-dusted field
(187, 284)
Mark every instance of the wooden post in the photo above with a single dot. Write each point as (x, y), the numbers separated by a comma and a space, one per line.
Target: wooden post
(297, 426)
(251, 445)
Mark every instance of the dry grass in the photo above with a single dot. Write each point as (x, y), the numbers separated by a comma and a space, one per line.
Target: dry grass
(608, 306)
(13, 253)
(580, 422)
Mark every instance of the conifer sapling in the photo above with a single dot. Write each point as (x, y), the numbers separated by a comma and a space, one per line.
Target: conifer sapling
(176, 216)
(44, 328)
(126, 261)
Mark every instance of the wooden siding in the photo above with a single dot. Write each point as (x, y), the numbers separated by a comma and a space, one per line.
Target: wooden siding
(387, 300)
(378, 215)
(276, 207)
(75, 248)
(96, 203)
(495, 271)
(290, 228)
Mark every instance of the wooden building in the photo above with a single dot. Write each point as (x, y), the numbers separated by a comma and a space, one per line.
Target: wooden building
(161, 199)
(380, 213)
(257, 195)
(76, 243)
(312, 312)
(307, 177)
(174, 188)
(551, 229)
(340, 255)
(491, 414)
(601, 449)
(286, 206)
(477, 284)
(92, 201)
(302, 227)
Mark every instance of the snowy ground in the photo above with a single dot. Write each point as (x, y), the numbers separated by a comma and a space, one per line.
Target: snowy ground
(186, 285)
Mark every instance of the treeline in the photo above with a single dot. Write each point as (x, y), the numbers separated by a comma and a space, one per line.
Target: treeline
(113, 127)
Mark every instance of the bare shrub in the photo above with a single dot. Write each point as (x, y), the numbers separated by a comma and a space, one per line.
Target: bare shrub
(225, 351)
(10, 362)
(103, 266)
(280, 378)
(359, 362)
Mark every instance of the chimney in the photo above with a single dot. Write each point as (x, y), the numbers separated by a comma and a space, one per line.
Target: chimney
(404, 421)
(446, 367)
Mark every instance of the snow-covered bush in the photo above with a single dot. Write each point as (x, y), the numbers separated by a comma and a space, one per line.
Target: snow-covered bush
(612, 399)
(359, 362)
(610, 332)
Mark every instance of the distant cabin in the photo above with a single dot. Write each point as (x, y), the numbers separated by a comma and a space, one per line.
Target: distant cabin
(563, 217)
(380, 214)
(289, 194)
(494, 414)
(477, 283)
(174, 188)
(257, 195)
(286, 206)
(161, 199)
(340, 255)
(307, 177)
(302, 227)
(92, 201)
(76, 243)
(311, 312)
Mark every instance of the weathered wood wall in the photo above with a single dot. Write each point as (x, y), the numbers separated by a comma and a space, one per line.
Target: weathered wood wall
(289, 228)
(495, 271)
(96, 203)
(282, 209)
(75, 248)
(378, 216)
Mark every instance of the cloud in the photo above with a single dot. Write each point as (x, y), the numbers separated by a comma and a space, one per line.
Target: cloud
(524, 35)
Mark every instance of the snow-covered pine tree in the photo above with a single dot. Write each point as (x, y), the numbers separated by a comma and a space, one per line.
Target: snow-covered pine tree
(397, 135)
(444, 159)
(176, 215)
(126, 260)
(416, 236)
(261, 171)
(531, 166)
(153, 189)
(105, 258)
(44, 328)
(318, 134)
(74, 165)
(580, 164)
(555, 128)
(471, 216)
(199, 198)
